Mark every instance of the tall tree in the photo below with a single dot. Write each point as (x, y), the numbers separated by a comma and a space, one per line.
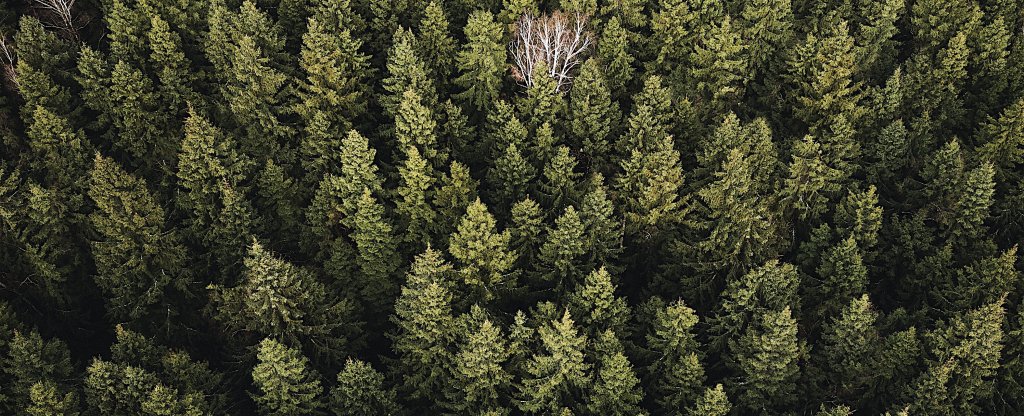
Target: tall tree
(481, 61)
(139, 258)
(285, 384)
(558, 375)
(360, 390)
(767, 358)
(482, 254)
(676, 374)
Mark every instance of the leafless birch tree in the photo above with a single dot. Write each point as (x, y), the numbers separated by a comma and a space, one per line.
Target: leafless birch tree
(62, 13)
(558, 40)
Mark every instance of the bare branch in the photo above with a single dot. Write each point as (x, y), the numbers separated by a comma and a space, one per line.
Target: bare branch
(558, 40)
(62, 10)
(8, 61)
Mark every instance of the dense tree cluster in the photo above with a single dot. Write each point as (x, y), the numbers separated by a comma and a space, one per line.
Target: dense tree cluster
(514, 207)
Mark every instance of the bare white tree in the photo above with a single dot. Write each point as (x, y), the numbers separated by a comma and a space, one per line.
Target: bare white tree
(7, 61)
(558, 40)
(61, 10)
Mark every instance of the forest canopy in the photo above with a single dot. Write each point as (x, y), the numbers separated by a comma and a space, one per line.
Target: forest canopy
(511, 207)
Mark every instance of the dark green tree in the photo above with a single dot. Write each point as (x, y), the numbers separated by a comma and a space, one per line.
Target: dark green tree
(285, 385)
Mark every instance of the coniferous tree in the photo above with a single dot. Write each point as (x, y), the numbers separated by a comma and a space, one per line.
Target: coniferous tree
(616, 388)
(425, 327)
(360, 390)
(418, 218)
(279, 300)
(767, 358)
(481, 61)
(436, 43)
(714, 402)
(558, 375)
(593, 116)
(482, 254)
(285, 384)
(560, 258)
(676, 374)
(406, 72)
(481, 383)
(139, 259)
(598, 308)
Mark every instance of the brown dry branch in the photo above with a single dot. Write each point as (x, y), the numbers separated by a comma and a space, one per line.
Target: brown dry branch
(557, 40)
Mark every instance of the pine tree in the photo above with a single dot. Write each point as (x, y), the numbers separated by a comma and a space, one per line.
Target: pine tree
(510, 176)
(285, 383)
(527, 227)
(480, 381)
(482, 254)
(425, 327)
(172, 68)
(593, 116)
(560, 258)
(139, 259)
(556, 376)
(770, 287)
(377, 256)
(676, 374)
(768, 26)
(543, 102)
(767, 360)
(360, 391)
(117, 390)
(596, 305)
(335, 69)
(336, 198)
(279, 300)
(850, 344)
(406, 72)
(613, 52)
(60, 152)
(43, 60)
(1001, 141)
(616, 388)
(714, 402)
(671, 22)
(481, 61)
(719, 70)
(511, 10)
(436, 44)
(418, 217)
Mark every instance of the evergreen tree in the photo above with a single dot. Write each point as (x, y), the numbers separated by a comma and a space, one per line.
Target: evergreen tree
(406, 72)
(482, 254)
(767, 358)
(139, 259)
(649, 188)
(603, 230)
(360, 390)
(616, 388)
(714, 402)
(285, 383)
(425, 327)
(768, 24)
(676, 374)
(335, 69)
(377, 257)
(594, 301)
(850, 343)
(415, 125)
(481, 383)
(279, 300)
(560, 257)
(436, 44)
(418, 217)
(593, 116)
(810, 181)
(30, 360)
(48, 401)
(613, 51)
(457, 191)
(720, 67)
(481, 61)
(558, 375)
(843, 275)
(559, 182)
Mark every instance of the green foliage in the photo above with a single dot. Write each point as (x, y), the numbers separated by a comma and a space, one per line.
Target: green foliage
(482, 254)
(360, 390)
(556, 376)
(285, 383)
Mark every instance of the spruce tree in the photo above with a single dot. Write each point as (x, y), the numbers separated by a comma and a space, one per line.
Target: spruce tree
(598, 308)
(613, 51)
(593, 116)
(360, 390)
(279, 300)
(377, 256)
(850, 344)
(560, 259)
(139, 258)
(768, 26)
(559, 182)
(810, 182)
(714, 402)
(481, 61)
(436, 43)
(482, 254)
(480, 381)
(557, 375)
(720, 67)
(767, 362)
(406, 72)
(457, 190)
(335, 69)
(649, 189)
(418, 217)
(285, 385)
(425, 327)
(676, 374)
(47, 400)
(615, 390)
(415, 125)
